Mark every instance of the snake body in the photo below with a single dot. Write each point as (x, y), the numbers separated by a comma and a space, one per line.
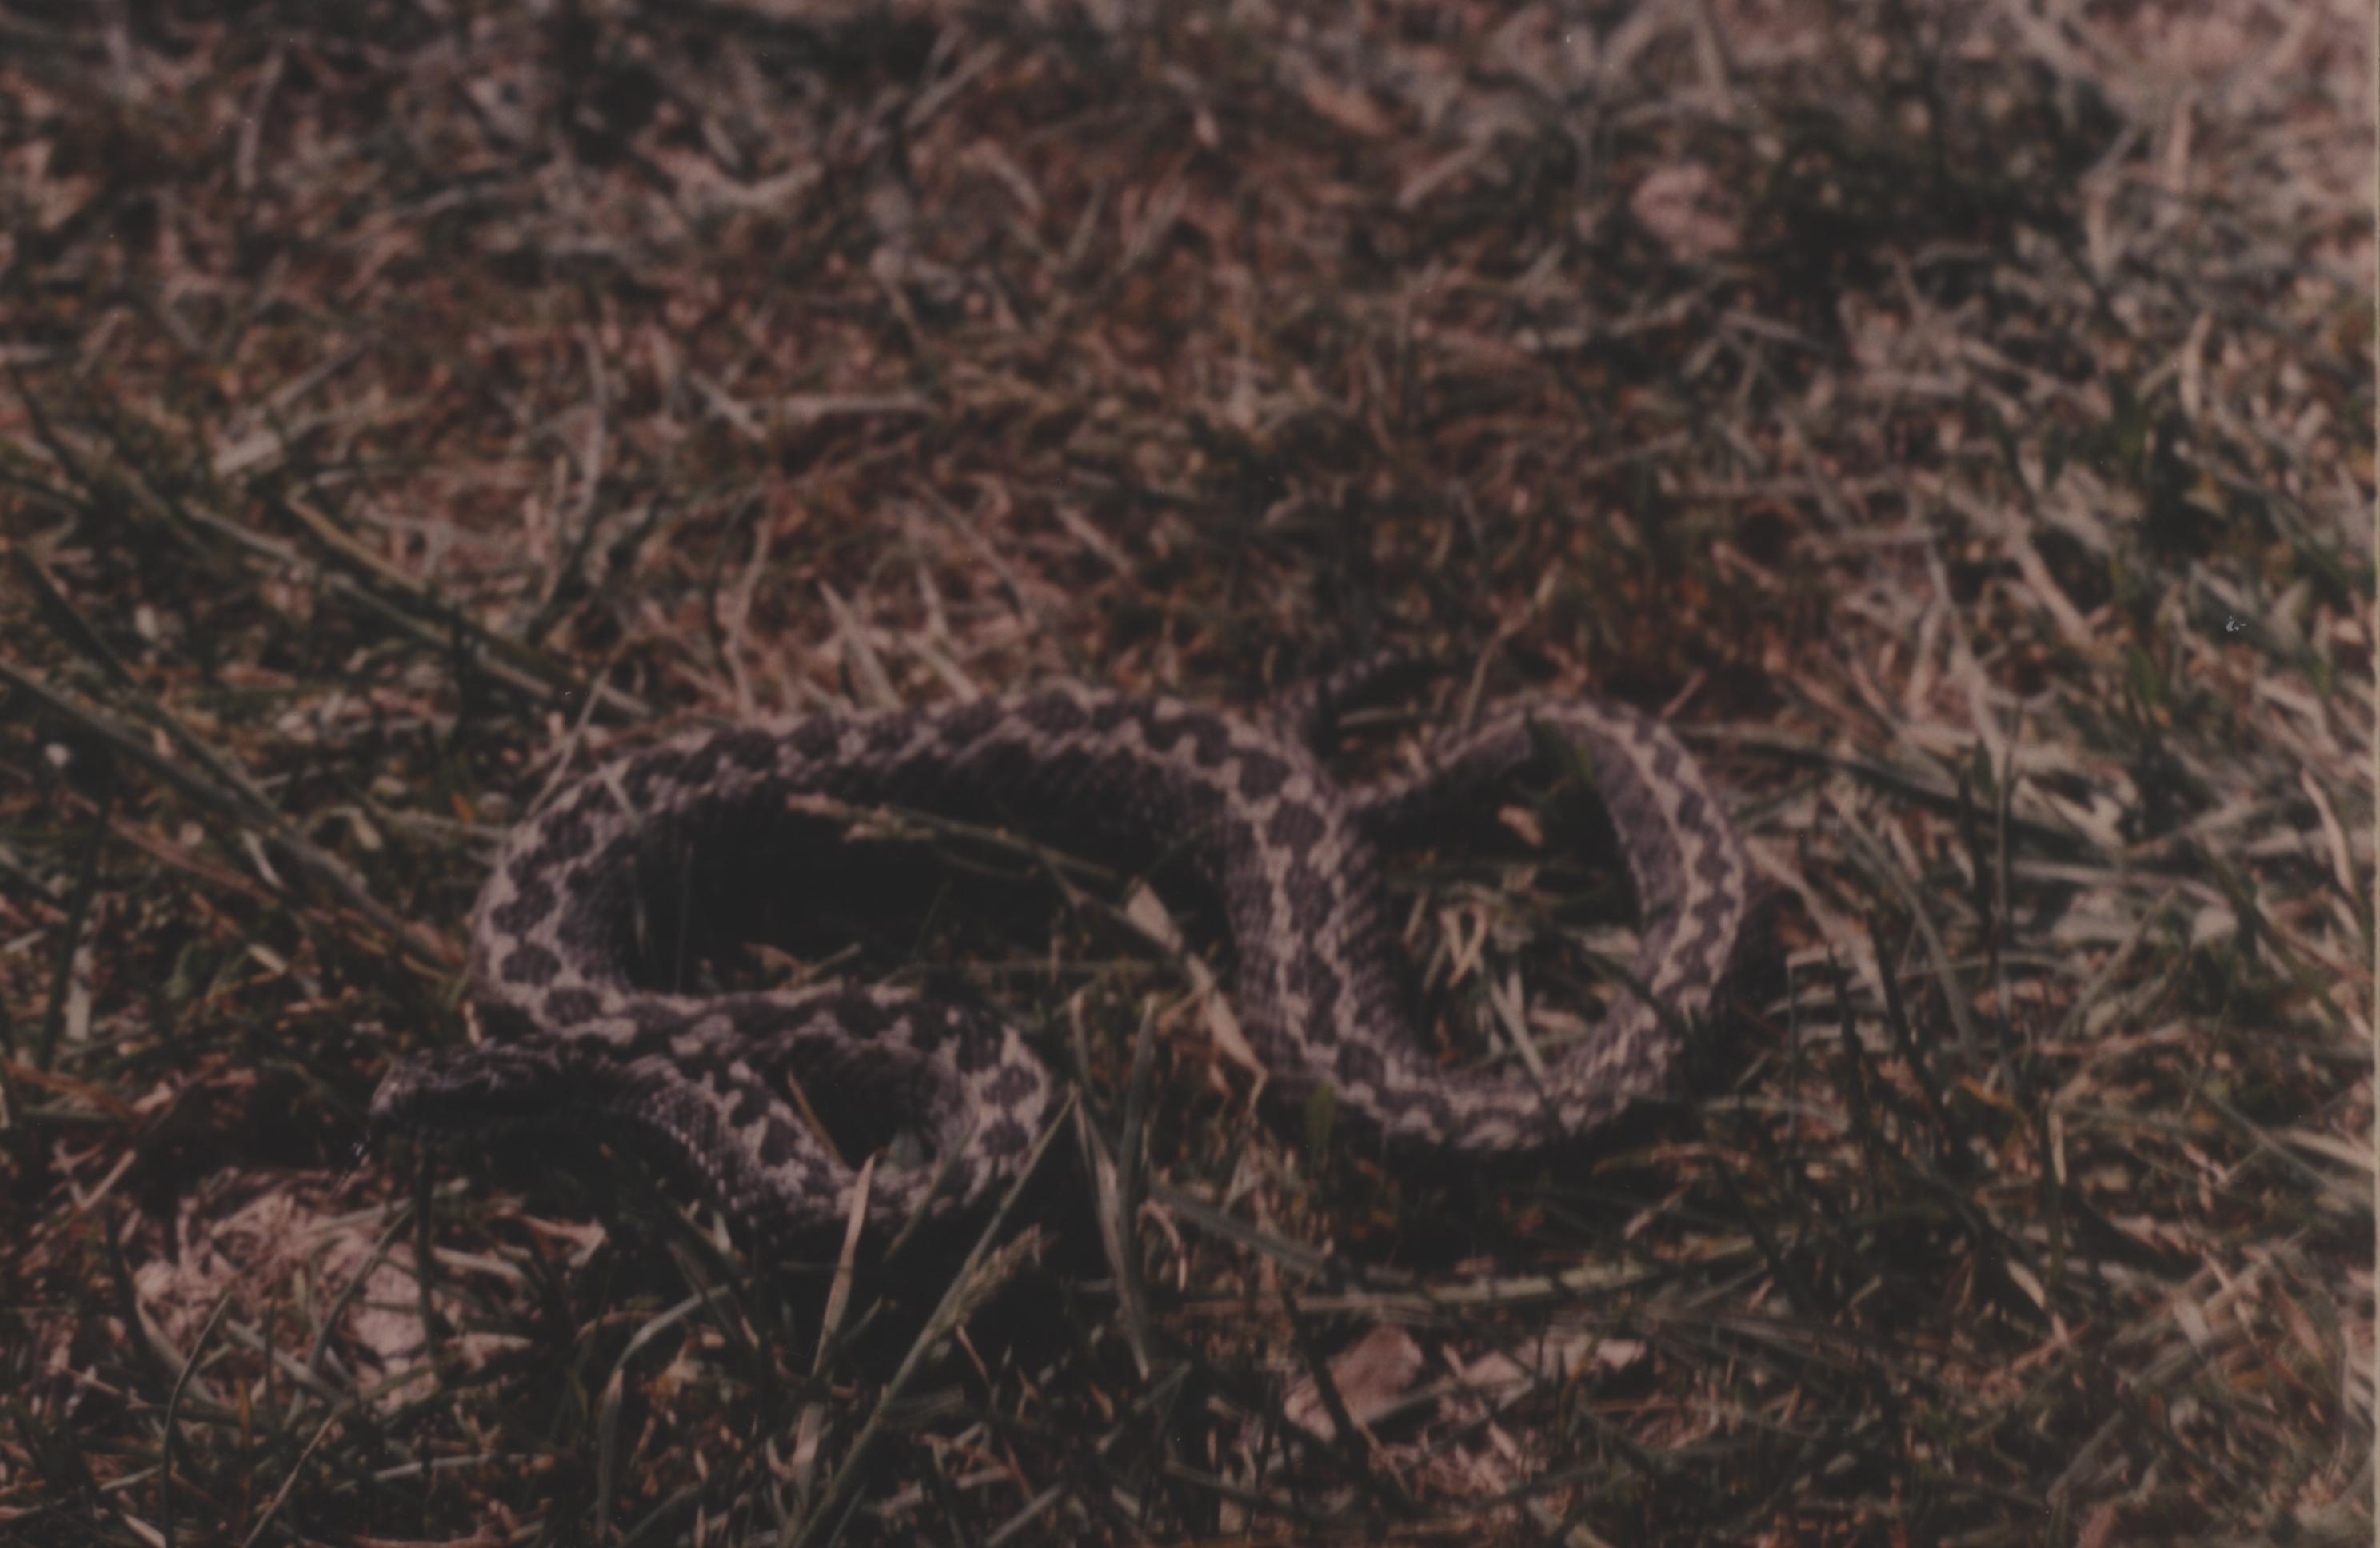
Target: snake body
(571, 1037)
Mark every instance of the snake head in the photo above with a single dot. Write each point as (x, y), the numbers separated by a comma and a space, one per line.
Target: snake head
(474, 1091)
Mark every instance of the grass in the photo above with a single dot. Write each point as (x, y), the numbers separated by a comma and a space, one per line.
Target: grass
(1957, 420)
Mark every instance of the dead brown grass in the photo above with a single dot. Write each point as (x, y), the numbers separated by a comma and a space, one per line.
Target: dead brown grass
(1958, 418)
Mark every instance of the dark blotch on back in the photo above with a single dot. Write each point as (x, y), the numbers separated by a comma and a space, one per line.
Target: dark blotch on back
(532, 965)
(979, 1046)
(749, 1102)
(1294, 828)
(586, 934)
(1210, 739)
(702, 764)
(860, 1016)
(1004, 1138)
(566, 835)
(1214, 739)
(1053, 714)
(777, 1142)
(817, 739)
(969, 723)
(1161, 731)
(649, 769)
(532, 900)
(753, 1016)
(1262, 775)
(924, 1029)
(656, 1027)
(1012, 1086)
(750, 746)
(1312, 897)
(566, 1008)
(1359, 1066)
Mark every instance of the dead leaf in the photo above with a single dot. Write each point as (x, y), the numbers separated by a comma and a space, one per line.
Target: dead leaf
(1687, 210)
(1371, 1374)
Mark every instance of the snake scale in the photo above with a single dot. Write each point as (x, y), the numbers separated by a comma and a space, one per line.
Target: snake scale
(570, 1037)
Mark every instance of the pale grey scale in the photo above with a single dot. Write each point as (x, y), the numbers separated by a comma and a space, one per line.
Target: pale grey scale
(572, 1039)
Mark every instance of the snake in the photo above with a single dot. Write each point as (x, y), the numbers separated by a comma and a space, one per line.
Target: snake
(575, 1034)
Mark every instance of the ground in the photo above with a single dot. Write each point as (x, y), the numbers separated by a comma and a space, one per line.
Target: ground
(1956, 420)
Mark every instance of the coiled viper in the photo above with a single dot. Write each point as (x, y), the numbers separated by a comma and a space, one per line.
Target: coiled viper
(570, 1037)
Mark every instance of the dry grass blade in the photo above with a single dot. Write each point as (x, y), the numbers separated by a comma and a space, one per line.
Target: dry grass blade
(170, 1422)
(235, 806)
(980, 1268)
(813, 1419)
